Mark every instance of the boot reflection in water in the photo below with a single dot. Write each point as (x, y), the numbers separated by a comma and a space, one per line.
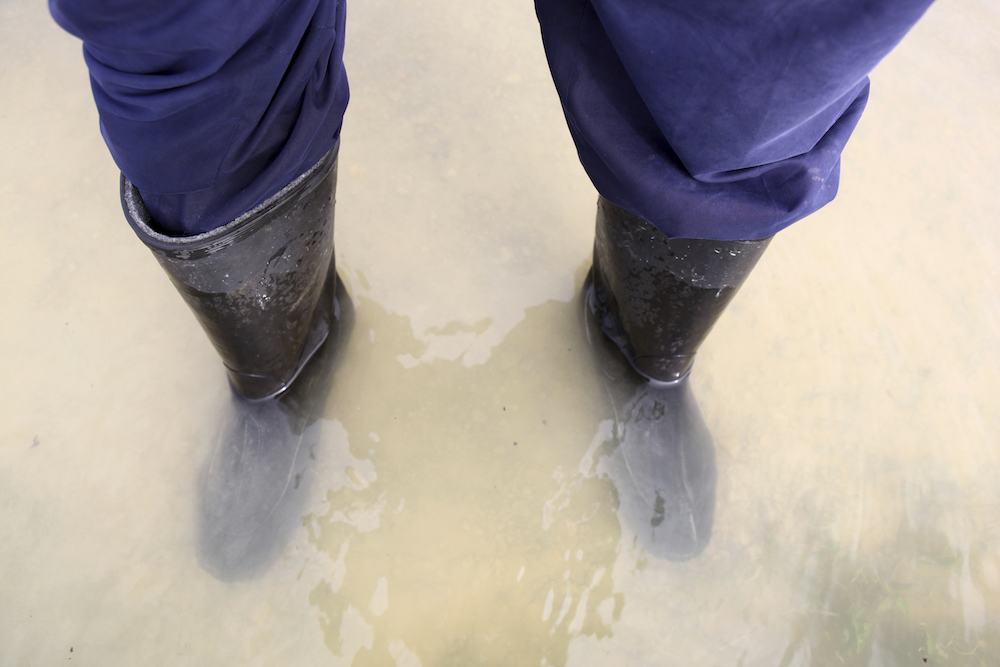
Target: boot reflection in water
(655, 299)
(264, 288)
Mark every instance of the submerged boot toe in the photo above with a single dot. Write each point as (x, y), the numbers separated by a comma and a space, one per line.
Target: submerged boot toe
(664, 471)
(249, 492)
(254, 487)
(663, 462)
(650, 301)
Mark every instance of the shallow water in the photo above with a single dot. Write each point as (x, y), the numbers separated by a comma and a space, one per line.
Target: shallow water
(850, 390)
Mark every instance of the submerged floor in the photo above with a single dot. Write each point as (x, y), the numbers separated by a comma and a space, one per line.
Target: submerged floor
(455, 505)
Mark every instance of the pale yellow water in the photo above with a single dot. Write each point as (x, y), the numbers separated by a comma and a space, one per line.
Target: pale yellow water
(852, 389)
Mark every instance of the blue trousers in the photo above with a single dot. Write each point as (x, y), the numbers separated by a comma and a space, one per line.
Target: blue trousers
(717, 119)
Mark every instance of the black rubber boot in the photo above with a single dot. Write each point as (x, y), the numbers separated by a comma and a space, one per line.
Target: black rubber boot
(655, 300)
(257, 284)
(265, 289)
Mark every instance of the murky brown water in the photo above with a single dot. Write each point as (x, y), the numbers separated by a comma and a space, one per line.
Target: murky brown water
(851, 390)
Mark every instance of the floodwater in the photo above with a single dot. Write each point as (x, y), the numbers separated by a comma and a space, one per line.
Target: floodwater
(458, 501)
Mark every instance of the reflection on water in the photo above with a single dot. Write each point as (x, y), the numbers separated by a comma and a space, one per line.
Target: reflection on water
(479, 520)
(474, 534)
(918, 599)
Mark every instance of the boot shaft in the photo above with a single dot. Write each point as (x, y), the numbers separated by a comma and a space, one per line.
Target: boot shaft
(258, 285)
(658, 298)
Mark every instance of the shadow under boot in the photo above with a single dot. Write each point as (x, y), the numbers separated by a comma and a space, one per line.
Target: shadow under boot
(655, 300)
(265, 290)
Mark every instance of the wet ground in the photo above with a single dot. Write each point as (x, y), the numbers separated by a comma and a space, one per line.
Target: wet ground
(457, 501)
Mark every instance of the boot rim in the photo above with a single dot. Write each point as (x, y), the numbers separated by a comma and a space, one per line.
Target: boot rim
(215, 240)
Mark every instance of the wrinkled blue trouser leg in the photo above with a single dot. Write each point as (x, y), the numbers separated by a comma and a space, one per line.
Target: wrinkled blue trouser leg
(717, 119)
(211, 107)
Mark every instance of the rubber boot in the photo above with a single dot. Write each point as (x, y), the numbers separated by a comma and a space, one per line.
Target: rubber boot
(655, 299)
(256, 284)
(264, 288)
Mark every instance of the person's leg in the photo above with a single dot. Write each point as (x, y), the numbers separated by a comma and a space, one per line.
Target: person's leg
(721, 120)
(224, 118)
(706, 126)
(212, 110)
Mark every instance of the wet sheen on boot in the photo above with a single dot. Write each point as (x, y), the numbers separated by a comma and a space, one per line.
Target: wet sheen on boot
(658, 298)
(255, 283)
